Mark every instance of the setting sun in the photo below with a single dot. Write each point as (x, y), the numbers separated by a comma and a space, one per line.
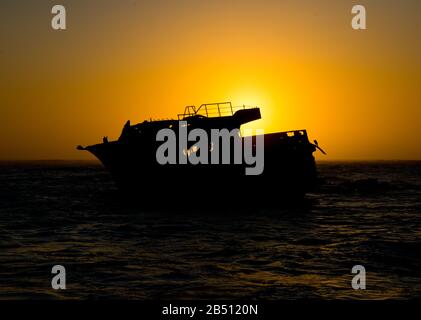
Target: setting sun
(359, 100)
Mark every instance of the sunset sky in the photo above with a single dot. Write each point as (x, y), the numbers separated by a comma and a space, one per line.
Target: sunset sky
(357, 92)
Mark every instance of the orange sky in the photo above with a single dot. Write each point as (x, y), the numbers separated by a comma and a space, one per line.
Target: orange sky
(356, 92)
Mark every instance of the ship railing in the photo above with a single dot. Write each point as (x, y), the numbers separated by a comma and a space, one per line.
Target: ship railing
(218, 109)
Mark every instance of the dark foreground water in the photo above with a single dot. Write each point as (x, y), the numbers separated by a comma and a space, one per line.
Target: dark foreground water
(70, 214)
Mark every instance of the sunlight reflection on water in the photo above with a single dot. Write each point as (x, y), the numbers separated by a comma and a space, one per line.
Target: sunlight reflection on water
(72, 215)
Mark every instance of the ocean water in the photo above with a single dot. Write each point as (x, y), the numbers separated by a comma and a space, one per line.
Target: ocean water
(70, 213)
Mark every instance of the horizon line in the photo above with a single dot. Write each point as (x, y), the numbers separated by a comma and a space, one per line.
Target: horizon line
(317, 160)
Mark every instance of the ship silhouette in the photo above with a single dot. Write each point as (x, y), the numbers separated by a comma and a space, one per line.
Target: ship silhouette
(289, 165)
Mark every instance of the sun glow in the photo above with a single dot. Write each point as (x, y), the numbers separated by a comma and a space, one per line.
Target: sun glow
(255, 98)
(303, 66)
